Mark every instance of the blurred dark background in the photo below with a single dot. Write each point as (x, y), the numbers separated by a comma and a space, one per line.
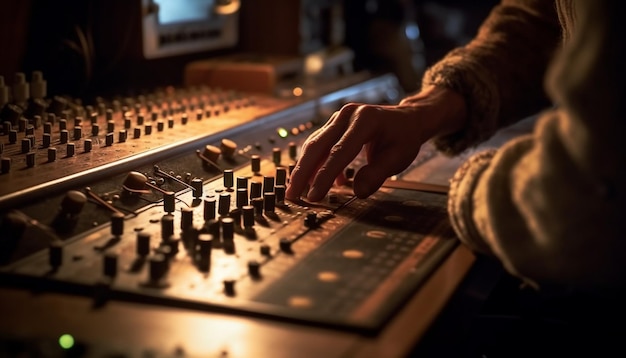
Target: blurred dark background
(87, 47)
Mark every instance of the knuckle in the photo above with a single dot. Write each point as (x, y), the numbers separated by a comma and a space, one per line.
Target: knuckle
(336, 149)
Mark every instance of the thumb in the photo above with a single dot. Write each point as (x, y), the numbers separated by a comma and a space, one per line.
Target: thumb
(367, 180)
(385, 164)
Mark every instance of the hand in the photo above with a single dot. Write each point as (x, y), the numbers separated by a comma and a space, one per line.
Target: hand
(391, 135)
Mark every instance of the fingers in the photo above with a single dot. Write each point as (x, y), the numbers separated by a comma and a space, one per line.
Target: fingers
(315, 151)
(360, 131)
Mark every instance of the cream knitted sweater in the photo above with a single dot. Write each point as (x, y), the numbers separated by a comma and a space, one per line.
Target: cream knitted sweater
(551, 205)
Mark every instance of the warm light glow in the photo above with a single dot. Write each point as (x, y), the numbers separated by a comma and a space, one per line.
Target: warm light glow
(297, 91)
(313, 64)
(66, 341)
(282, 132)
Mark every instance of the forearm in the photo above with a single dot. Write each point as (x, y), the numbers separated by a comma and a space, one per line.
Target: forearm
(550, 205)
(499, 73)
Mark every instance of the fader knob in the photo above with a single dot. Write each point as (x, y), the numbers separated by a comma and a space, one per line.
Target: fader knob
(255, 163)
(196, 184)
(293, 150)
(169, 202)
(143, 244)
(228, 148)
(255, 189)
(209, 209)
(285, 245)
(242, 182)
(229, 287)
(55, 254)
(186, 218)
(73, 202)
(158, 267)
(224, 204)
(117, 224)
(280, 190)
(167, 227)
(310, 220)
(5, 165)
(254, 269)
(281, 176)
(268, 184)
(242, 197)
(110, 262)
(276, 155)
(248, 216)
(269, 202)
(228, 229)
(229, 179)
(257, 203)
(205, 246)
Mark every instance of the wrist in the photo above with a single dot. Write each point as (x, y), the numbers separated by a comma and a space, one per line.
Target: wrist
(443, 109)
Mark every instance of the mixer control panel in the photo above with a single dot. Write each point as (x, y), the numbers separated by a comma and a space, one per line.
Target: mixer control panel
(180, 201)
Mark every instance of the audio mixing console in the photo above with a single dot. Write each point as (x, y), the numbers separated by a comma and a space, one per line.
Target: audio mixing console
(177, 199)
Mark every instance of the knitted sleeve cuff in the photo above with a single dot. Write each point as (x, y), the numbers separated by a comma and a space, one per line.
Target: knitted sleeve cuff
(460, 73)
(460, 209)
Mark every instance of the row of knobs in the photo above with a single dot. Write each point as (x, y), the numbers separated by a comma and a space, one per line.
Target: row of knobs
(221, 224)
(28, 143)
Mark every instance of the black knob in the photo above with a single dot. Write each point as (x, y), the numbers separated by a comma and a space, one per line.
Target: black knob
(186, 218)
(255, 163)
(310, 220)
(268, 184)
(110, 264)
(143, 243)
(158, 267)
(196, 184)
(228, 178)
(255, 189)
(169, 202)
(269, 202)
(55, 254)
(229, 287)
(167, 227)
(117, 224)
(254, 269)
(209, 208)
(224, 204)
(248, 216)
(257, 203)
(280, 190)
(242, 197)
(285, 245)
(242, 182)
(276, 156)
(281, 176)
(228, 229)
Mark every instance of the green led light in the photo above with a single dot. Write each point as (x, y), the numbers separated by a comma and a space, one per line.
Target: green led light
(282, 132)
(66, 341)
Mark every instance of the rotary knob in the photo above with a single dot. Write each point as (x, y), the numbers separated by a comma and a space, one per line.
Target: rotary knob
(228, 148)
(212, 153)
(73, 203)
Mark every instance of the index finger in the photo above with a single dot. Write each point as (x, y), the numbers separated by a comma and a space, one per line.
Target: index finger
(359, 133)
(315, 150)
